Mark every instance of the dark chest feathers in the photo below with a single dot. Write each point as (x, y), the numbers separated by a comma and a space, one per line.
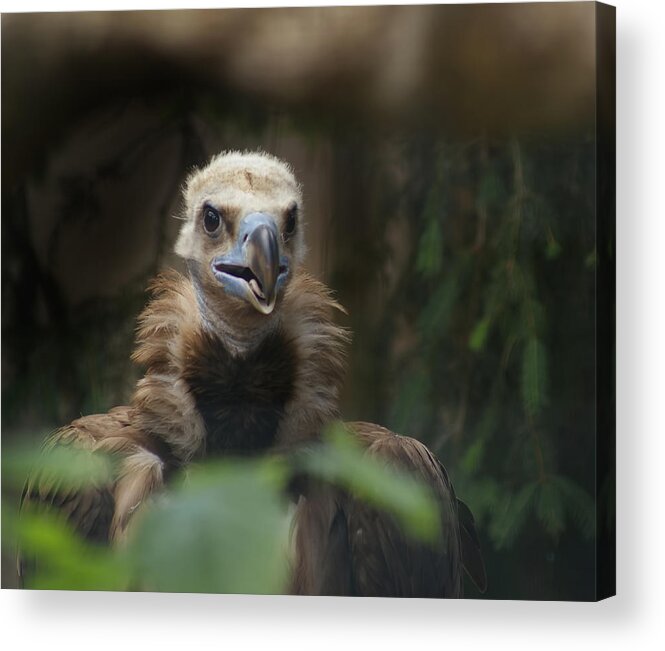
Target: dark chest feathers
(241, 398)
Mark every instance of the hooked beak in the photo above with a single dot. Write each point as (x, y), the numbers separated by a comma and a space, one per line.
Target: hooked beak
(253, 269)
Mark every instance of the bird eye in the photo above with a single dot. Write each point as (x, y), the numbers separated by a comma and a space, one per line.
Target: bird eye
(212, 220)
(291, 217)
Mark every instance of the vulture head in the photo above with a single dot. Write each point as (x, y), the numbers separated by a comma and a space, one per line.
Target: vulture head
(242, 238)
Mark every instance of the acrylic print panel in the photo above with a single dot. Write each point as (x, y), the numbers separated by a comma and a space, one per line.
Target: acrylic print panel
(363, 221)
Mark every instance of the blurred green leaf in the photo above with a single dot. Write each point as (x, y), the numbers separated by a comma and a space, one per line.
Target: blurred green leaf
(64, 560)
(430, 250)
(479, 335)
(343, 462)
(224, 531)
(473, 456)
(553, 249)
(67, 466)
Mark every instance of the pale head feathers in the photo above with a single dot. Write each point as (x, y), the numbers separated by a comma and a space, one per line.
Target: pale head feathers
(239, 183)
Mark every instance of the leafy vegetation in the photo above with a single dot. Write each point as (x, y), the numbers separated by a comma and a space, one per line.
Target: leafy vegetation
(484, 344)
(222, 527)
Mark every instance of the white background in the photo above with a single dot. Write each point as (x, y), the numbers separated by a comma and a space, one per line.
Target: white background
(634, 619)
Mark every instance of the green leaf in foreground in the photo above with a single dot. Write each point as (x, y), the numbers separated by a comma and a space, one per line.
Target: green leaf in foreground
(224, 531)
(223, 527)
(343, 462)
(64, 560)
(66, 466)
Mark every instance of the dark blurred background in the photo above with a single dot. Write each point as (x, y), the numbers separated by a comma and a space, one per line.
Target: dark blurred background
(448, 162)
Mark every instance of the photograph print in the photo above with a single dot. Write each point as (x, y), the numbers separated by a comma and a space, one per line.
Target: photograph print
(310, 301)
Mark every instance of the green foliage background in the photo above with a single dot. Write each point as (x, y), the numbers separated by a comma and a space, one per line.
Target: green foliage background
(497, 303)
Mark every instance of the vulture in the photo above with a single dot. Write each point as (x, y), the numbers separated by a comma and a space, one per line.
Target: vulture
(242, 355)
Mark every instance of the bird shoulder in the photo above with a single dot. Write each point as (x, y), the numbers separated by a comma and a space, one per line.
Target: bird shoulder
(320, 346)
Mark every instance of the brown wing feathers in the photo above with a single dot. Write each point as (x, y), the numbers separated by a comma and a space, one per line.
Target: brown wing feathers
(344, 546)
(162, 400)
